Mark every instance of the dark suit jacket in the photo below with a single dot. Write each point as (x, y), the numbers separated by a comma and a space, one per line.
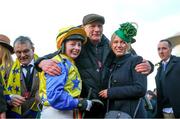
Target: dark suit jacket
(170, 89)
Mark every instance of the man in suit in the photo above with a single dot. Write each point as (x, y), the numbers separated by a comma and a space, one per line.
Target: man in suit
(167, 82)
(23, 82)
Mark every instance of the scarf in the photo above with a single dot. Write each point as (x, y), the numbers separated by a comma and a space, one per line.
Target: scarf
(14, 83)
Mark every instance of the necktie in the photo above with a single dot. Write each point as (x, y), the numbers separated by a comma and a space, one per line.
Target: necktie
(28, 81)
(164, 66)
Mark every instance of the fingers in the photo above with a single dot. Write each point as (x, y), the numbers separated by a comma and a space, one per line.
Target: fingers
(143, 67)
(140, 67)
(17, 100)
(103, 93)
(50, 67)
(51, 70)
(2, 115)
(16, 104)
(55, 67)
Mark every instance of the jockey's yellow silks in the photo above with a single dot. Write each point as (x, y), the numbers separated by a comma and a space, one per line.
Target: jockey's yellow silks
(68, 87)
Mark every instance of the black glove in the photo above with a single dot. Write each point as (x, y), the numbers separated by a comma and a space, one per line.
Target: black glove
(84, 105)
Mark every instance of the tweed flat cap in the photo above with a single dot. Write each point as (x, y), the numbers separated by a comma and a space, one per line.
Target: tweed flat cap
(92, 18)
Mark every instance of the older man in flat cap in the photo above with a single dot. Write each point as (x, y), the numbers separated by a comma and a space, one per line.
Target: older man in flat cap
(92, 63)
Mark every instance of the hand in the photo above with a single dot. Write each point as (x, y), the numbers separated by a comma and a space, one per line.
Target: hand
(144, 67)
(50, 67)
(84, 105)
(103, 93)
(17, 100)
(2, 115)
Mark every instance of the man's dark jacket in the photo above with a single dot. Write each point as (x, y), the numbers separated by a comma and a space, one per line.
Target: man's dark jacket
(168, 87)
(92, 64)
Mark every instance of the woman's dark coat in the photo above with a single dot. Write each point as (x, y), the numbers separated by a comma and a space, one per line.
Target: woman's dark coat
(127, 86)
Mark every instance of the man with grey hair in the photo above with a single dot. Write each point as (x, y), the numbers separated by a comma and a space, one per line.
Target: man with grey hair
(92, 63)
(23, 82)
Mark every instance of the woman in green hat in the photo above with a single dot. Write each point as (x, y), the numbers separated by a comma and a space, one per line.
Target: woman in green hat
(126, 85)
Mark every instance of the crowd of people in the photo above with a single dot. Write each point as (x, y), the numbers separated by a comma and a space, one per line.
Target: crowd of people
(89, 76)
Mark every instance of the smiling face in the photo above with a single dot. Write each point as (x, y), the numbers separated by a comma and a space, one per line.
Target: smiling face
(24, 52)
(94, 31)
(164, 50)
(73, 48)
(118, 46)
